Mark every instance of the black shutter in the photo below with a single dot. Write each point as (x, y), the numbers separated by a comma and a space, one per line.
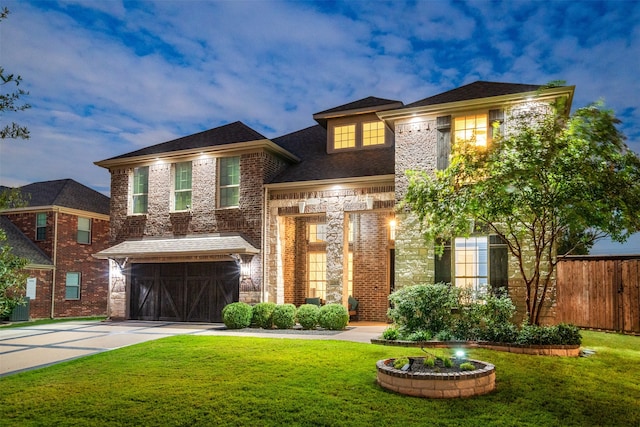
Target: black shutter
(496, 116)
(443, 266)
(498, 263)
(443, 126)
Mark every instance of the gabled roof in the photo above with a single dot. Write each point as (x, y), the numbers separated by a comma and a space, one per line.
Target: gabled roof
(476, 90)
(65, 193)
(370, 104)
(21, 245)
(226, 134)
(310, 145)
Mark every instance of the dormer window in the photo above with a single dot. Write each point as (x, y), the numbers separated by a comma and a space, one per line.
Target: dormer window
(344, 137)
(361, 134)
(373, 133)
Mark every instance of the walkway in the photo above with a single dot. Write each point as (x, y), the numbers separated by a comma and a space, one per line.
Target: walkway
(31, 347)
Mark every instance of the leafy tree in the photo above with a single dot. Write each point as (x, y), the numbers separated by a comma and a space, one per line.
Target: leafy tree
(546, 177)
(12, 276)
(10, 100)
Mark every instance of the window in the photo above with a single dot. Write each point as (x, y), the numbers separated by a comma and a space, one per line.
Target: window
(472, 128)
(317, 233)
(372, 133)
(317, 270)
(84, 230)
(344, 136)
(140, 190)
(229, 188)
(471, 263)
(474, 263)
(41, 226)
(72, 286)
(182, 186)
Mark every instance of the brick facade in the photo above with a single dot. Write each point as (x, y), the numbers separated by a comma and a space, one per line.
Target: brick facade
(62, 247)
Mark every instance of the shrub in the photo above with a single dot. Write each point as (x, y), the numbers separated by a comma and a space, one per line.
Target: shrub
(262, 315)
(400, 362)
(561, 334)
(424, 307)
(467, 366)
(391, 333)
(447, 362)
(237, 315)
(418, 336)
(569, 334)
(333, 316)
(444, 335)
(284, 316)
(308, 315)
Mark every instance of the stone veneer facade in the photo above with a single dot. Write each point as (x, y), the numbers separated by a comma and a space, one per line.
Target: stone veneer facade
(416, 149)
(287, 247)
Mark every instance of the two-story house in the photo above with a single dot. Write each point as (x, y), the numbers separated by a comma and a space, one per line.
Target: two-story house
(63, 224)
(228, 214)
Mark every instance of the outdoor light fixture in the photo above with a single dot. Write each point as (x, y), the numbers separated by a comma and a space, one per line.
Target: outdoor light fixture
(245, 265)
(392, 229)
(460, 354)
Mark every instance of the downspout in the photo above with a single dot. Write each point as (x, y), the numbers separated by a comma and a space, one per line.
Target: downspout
(55, 262)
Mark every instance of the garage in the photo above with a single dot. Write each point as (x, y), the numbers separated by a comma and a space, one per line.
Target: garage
(183, 292)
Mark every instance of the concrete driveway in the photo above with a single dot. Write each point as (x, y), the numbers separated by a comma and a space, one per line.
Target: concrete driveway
(32, 347)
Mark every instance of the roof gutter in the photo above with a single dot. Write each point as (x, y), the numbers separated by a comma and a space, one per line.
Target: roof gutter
(450, 107)
(234, 148)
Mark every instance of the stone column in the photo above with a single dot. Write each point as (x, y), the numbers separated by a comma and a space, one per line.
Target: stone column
(335, 254)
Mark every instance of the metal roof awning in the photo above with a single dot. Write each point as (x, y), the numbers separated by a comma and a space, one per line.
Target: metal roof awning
(220, 244)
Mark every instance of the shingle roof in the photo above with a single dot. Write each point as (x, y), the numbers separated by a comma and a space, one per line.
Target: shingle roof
(370, 102)
(310, 145)
(226, 134)
(21, 245)
(218, 244)
(65, 193)
(476, 90)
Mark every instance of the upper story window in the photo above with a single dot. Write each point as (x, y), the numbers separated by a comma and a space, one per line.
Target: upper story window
(140, 196)
(84, 230)
(373, 133)
(41, 226)
(344, 137)
(182, 186)
(229, 182)
(471, 128)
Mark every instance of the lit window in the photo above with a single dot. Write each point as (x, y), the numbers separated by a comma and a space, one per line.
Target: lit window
(229, 188)
(350, 275)
(72, 286)
(317, 270)
(472, 128)
(140, 190)
(41, 226)
(182, 186)
(318, 233)
(471, 263)
(84, 230)
(372, 133)
(344, 136)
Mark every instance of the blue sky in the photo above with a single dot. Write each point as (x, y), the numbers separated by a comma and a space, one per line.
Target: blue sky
(109, 77)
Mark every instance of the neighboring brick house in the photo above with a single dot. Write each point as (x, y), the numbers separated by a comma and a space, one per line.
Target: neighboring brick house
(63, 224)
(227, 214)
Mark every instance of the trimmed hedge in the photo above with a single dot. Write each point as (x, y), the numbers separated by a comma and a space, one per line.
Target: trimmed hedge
(263, 315)
(308, 315)
(284, 316)
(334, 317)
(237, 315)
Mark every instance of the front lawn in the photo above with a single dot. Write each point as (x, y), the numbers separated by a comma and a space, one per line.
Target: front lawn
(191, 381)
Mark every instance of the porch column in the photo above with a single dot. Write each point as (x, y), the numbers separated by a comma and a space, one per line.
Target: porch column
(335, 255)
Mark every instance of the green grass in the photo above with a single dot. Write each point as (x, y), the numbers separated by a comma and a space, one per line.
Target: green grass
(205, 381)
(47, 321)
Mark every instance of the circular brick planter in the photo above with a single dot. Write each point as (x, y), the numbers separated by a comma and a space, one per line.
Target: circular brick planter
(437, 385)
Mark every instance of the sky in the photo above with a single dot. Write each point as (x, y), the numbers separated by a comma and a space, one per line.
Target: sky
(109, 77)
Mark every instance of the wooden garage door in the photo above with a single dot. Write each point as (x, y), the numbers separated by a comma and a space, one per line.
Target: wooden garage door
(188, 292)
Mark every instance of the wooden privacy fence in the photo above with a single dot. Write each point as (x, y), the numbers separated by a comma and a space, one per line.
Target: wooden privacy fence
(601, 292)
